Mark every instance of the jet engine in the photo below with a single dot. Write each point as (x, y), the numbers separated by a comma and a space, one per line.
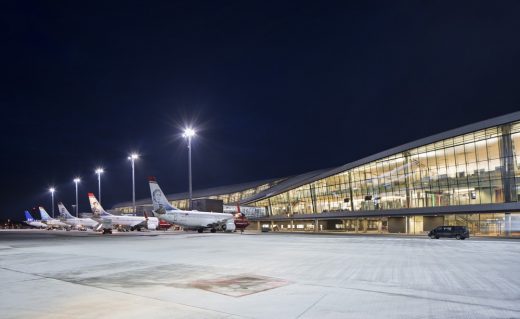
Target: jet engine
(229, 226)
(152, 223)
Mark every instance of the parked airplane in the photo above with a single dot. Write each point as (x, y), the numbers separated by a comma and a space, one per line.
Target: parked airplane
(79, 223)
(108, 220)
(189, 219)
(29, 220)
(51, 222)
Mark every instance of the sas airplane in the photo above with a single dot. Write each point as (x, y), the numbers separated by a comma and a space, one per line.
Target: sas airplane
(107, 219)
(188, 219)
(51, 222)
(29, 220)
(79, 223)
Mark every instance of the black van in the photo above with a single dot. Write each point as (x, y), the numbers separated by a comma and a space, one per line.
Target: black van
(459, 232)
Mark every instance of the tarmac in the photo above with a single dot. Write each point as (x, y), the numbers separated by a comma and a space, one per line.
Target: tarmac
(59, 274)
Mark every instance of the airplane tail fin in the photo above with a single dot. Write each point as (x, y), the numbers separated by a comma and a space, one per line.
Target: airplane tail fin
(159, 200)
(96, 207)
(64, 212)
(28, 216)
(239, 213)
(44, 214)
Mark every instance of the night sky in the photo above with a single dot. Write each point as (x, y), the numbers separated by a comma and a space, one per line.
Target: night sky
(273, 89)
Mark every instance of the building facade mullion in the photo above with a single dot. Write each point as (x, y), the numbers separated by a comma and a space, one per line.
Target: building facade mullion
(507, 164)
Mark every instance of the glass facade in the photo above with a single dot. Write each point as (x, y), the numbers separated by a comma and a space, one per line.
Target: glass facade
(481, 167)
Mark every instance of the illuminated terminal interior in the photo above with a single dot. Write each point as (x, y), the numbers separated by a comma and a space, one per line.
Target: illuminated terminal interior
(469, 176)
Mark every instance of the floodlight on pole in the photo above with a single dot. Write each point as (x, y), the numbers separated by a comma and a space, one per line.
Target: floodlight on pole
(76, 181)
(99, 171)
(52, 190)
(188, 134)
(132, 158)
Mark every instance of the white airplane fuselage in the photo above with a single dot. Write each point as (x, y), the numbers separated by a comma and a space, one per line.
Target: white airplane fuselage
(194, 219)
(130, 221)
(78, 222)
(55, 223)
(36, 224)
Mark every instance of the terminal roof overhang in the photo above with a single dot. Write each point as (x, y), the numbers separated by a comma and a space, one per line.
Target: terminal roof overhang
(282, 185)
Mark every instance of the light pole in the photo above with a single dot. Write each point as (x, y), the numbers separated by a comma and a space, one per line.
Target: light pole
(189, 133)
(132, 158)
(76, 181)
(52, 190)
(99, 171)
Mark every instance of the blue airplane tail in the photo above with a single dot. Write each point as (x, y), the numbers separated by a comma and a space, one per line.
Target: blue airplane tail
(28, 216)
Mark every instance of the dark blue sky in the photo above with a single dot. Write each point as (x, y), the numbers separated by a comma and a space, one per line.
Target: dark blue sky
(274, 88)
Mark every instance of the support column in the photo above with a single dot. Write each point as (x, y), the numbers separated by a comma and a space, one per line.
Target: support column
(313, 199)
(292, 225)
(507, 164)
(508, 224)
(407, 178)
(350, 190)
(406, 224)
(289, 206)
(316, 226)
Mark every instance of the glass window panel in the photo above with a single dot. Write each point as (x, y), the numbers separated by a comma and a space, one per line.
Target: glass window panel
(469, 149)
(450, 156)
(479, 135)
(458, 140)
(448, 142)
(492, 148)
(459, 155)
(481, 150)
(491, 132)
(440, 158)
(469, 138)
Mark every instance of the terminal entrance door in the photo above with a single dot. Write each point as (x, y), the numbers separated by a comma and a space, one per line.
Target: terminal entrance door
(396, 225)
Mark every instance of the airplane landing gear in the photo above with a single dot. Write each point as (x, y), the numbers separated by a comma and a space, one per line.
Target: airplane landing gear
(213, 230)
(200, 230)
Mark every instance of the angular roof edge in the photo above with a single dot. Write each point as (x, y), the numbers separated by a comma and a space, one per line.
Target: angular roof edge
(499, 120)
(205, 192)
(289, 183)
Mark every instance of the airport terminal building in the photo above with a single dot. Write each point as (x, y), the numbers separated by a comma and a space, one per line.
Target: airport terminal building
(469, 176)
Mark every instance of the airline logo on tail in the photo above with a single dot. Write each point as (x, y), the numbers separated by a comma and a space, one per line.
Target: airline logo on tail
(28, 216)
(44, 214)
(96, 207)
(160, 202)
(63, 211)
